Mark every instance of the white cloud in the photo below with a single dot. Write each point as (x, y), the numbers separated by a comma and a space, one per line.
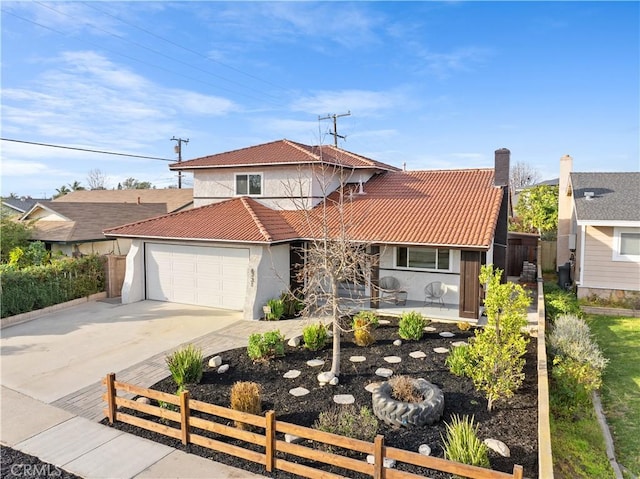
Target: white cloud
(444, 64)
(361, 101)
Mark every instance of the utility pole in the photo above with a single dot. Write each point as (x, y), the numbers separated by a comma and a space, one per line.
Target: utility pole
(178, 150)
(334, 133)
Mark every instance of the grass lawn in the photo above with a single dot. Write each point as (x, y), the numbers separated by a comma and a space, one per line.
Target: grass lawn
(619, 339)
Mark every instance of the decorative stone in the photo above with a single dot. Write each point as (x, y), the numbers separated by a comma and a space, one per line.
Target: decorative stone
(498, 446)
(429, 329)
(344, 399)
(315, 363)
(334, 381)
(457, 344)
(143, 400)
(295, 341)
(371, 387)
(417, 355)
(297, 392)
(223, 369)
(291, 374)
(384, 372)
(393, 359)
(441, 350)
(386, 462)
(384, 322)
(357, 359)
(325, 377)
(215, 362)
(397, 342)
(292, 438)
(424, 449)
(447, 334)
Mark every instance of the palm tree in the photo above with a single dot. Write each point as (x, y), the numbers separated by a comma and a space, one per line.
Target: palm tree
(63, 190)
(76, 186)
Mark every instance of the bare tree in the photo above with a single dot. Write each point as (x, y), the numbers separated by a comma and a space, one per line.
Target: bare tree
(97, 180)
(522, 175)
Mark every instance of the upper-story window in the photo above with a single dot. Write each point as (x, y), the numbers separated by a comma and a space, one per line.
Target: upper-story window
(423, 258)
(249, 184)
(626, 245)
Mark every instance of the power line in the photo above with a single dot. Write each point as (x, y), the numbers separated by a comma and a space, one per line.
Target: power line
(65, 147)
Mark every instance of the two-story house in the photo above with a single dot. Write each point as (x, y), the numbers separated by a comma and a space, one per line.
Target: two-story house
(255, 206)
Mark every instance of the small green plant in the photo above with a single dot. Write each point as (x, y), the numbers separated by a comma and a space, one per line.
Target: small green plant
(292, 304)
(411, 325)
(462, 444)
(275, 310)
(186, 365)
(314, 336)
(363, 329)
(558, 302)
(245, 397)
(367, 319)
(403, 389)
(459, 361)
(263, 347)
(464, 325)
(347, 421)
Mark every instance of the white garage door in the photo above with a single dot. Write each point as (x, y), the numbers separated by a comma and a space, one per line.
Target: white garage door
(215, 277)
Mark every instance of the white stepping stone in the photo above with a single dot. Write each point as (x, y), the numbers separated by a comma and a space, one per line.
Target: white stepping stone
(344, 399)
(440, 350)
(315, 363)
(498, 446)
(429, 329)
(371, 387)
(295, 341)
(384, 372)
(457, 344)
(384, 321)
(417, 355)
(447, 334)
(357, 359)
(297, 392)
(291, 374)
(325, 377)
(223, 369)
(424, 449)
(397, 342)
(393, 359)
(215, 362)
(386, 462)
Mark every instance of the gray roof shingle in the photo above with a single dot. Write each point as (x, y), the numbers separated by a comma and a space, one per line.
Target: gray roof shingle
(616, 196)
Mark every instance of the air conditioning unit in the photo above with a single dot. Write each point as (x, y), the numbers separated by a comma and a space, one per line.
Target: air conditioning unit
(572, 242)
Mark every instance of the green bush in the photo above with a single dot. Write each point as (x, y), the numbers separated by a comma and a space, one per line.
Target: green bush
(411, 325)
(368, 318)
(558, 302)
(185, 366)
(263, 347)
(276, 310)
(462, 444)
(292, 304)
(36, 287)
(571, 337)
(314, 336)
(347, 420)
(459, 361)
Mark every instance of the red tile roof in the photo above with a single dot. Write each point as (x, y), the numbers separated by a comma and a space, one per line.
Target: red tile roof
(282, 152)
(439, 207)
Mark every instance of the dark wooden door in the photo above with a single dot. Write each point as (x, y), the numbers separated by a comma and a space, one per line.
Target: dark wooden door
(469, 284)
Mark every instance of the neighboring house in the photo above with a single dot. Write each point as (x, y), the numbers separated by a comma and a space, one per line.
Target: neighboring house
(19, 206)
(256, 206)
(599, 231)
(74, 223)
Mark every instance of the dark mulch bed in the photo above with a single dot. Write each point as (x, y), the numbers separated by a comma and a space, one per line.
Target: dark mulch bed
(513, 421)
(17, 464)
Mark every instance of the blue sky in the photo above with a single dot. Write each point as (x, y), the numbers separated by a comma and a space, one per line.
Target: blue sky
(429, 84)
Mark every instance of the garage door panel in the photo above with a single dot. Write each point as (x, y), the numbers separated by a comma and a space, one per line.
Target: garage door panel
(215, 277)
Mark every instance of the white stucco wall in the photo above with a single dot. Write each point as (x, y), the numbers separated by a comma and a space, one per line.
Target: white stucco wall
(133, 285)
(268, 277)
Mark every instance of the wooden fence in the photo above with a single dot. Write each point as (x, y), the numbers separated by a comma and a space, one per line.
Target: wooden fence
(269, 442)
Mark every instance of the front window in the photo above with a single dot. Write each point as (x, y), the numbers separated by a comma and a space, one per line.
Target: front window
(626, 244)
(422, 258)
(250, 185)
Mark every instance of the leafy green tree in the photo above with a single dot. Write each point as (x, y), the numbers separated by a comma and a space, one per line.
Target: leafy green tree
(537, 210)
(496, 354)
(35, 254)
(133, 184)
(14, 234)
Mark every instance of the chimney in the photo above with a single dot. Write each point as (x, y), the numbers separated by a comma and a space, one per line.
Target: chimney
(566, 166)
(565, 208)
(501, 175)
(139, 200)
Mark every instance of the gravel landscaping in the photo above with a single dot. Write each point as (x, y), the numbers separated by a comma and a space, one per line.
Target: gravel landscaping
(17, 464)
(513, 421)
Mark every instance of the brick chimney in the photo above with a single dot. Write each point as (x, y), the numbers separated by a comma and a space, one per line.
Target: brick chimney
(564, 211)
(501, 175)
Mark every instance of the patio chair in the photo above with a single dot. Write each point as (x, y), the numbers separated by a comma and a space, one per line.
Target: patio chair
(434, 293)
(390, 289)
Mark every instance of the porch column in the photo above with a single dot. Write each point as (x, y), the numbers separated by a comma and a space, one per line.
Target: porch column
(375, 278)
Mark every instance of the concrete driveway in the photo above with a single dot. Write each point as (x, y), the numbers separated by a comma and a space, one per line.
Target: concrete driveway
(62, 352)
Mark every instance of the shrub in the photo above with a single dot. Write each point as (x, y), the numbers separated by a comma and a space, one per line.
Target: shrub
(459, 361)
(411, 325)
(314, 336)
(558, 302)
(363, 337)
(276, 310)
(347, 420)
(363, 325)
(245, 397)
(291, 303)
(185, 366)
(366, 319)
(464, 325)
(403, 389)
(263, 347)
(462, 444)
(571, 337)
